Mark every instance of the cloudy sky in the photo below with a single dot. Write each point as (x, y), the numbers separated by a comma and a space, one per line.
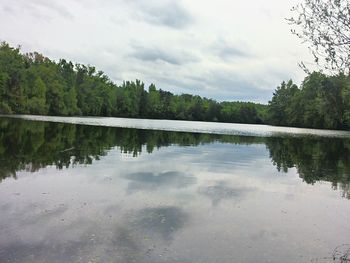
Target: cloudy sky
(222, 49)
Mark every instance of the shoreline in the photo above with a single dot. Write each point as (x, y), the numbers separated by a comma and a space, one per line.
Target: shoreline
(240, 129)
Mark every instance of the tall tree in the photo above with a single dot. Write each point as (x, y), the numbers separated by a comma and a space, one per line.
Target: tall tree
(278, 106)
(12, 68)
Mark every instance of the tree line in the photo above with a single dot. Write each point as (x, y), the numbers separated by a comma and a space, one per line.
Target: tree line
(33, 84)
(320, 102)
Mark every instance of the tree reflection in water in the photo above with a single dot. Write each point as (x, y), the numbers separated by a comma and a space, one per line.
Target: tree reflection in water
(28, 145)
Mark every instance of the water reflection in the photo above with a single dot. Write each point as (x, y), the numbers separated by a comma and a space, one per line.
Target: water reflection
(221, 191)
(99, 194)
(316, 159)
(152, 181)
(36, 233)
(29, 146)
(163, 221)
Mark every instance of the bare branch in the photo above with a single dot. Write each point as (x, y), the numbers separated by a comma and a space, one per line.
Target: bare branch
(325, 26)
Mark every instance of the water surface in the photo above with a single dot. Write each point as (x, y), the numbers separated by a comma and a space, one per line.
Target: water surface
(77, 193)
(190, 126)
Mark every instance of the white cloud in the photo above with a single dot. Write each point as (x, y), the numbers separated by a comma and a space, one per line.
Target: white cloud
(223, 49)
(168, 13)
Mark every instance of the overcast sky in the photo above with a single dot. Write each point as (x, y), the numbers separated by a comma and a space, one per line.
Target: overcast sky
(222, 49)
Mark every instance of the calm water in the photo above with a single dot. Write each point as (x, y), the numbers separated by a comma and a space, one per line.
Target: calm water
(77, 193)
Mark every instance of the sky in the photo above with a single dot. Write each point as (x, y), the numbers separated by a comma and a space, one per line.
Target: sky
(223, 49)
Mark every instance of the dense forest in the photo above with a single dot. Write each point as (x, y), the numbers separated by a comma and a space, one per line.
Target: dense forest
(27, 145)
(321, 102)
(33, 84)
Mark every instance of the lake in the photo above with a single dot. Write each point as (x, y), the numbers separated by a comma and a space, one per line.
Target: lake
(171, 192)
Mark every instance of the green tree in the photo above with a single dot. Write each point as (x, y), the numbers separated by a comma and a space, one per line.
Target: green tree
(12, 69)
(37, 98)
(278, 106)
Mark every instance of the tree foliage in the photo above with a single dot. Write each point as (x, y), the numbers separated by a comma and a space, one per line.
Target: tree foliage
(321, 102)
(325, 26)
(34, 84)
